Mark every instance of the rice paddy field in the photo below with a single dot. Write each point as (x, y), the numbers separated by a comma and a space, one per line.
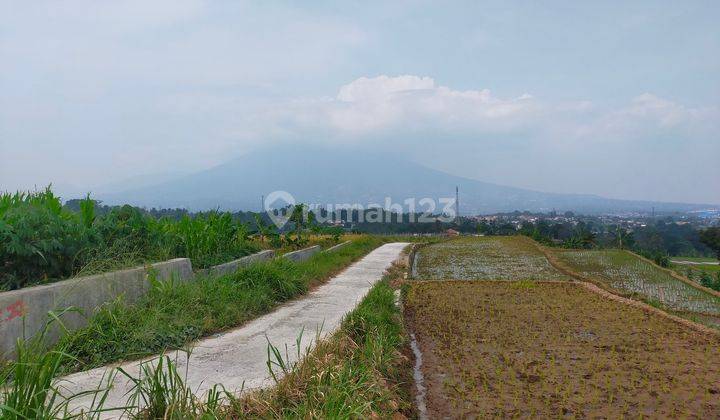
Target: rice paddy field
(537, 349)
(485, 258)
(628, 274)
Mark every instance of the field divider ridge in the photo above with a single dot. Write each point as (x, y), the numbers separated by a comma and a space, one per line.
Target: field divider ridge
(644, 306)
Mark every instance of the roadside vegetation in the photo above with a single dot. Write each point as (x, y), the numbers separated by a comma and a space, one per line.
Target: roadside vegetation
(173, 314)
(537, 349)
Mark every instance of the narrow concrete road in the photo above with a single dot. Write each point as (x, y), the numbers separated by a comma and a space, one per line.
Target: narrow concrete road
(695, 262)
(239, 356)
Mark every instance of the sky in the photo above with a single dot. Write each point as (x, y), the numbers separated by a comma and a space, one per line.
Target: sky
(615, 98)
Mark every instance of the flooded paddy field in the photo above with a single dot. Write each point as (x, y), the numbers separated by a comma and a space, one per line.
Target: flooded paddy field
(485, 258)
(627, 273)
(519, 349)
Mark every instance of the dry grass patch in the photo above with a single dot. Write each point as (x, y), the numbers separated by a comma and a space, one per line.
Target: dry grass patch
(556, 349)
(485, 258)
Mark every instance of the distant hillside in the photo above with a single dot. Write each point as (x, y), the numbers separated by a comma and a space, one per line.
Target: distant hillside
(334, 176)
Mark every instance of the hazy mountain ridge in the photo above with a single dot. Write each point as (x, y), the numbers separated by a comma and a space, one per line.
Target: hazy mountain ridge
(338, 177)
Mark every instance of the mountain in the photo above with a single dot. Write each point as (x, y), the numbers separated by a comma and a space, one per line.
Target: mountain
(337, 177)
(140, 181)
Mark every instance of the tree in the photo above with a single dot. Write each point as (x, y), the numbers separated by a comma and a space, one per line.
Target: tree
(624, 238)
(710, 237)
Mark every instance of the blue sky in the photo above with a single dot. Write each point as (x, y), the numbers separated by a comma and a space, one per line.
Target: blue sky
(620, 99)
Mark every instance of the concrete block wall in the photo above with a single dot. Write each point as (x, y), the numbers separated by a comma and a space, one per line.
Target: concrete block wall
(232, 266)
(24, 312)
(302, 254)
(338, 246)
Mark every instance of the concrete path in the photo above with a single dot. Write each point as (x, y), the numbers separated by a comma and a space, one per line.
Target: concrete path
(240, 356)
(695, 262)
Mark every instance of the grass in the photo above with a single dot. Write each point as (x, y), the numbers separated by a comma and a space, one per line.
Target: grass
(27, 385)
(358, 373)
(485, 258)
(628, 274)
(173, 314)
(503, 349)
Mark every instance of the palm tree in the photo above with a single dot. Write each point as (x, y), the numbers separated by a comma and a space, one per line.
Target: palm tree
(623, 237)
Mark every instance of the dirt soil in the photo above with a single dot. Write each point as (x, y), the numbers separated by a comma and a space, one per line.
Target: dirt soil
(519, 349)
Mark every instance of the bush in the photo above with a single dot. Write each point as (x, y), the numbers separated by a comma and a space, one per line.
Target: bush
(707, 280)
(658, 258)
(40, 241)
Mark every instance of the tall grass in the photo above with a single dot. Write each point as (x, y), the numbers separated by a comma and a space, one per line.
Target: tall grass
(28, 388)
(161, 392)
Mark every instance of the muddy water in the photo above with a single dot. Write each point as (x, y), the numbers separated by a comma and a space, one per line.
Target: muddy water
(419, 380)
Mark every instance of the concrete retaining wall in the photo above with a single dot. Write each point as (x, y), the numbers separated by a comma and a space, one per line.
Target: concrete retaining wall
(302, 254)
(84, 293)
(338, 246)
(412, 258)
(232, 266)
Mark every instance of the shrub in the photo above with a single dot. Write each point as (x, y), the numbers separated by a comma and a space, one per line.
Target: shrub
(39, 240)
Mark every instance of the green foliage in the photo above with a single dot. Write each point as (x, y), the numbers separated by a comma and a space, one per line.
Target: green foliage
(40, 241)
(707, 280)
(268, 231)
(711, 238)
(208, 239)
(658, 258)
(87, 212)
(295, 240)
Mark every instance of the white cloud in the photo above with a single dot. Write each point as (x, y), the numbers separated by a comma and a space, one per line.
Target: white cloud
(382, 87)
(648, 117)
(371, 106)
